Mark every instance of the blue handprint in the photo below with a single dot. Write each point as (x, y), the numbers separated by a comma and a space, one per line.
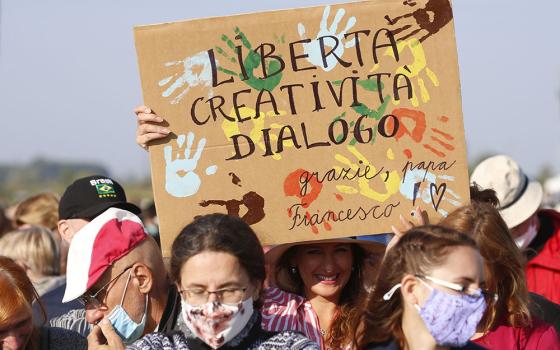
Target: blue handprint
(180, 177)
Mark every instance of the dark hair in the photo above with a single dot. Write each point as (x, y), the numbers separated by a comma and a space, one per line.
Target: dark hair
(418, 251)
(349, 297)
(504, 261)
(219, 233)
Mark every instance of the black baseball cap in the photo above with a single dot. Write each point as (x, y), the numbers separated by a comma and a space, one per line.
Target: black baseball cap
(89, 196)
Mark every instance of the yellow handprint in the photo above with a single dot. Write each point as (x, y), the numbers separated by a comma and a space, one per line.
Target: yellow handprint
(391, 180)
(413, 70)
(232, 128)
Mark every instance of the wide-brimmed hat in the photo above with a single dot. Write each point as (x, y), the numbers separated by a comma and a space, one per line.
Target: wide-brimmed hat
(519, 196)
(372, 247)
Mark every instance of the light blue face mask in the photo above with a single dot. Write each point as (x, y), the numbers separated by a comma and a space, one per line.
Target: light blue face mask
(126, 328)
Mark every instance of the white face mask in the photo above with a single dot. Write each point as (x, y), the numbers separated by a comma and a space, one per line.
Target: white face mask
(216, 323)
(526, 238)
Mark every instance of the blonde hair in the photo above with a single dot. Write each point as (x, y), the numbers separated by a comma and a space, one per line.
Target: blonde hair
(41, 209)
(36, 247)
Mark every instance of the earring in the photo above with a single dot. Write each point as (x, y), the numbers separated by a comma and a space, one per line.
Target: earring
(293, 270)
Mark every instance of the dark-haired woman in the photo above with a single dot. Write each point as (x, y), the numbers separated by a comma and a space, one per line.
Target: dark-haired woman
(217, 264)
(508, 322)
(318, 283)
(429, 296)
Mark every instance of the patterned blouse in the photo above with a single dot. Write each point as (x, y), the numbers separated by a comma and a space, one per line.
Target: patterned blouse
(286, 311)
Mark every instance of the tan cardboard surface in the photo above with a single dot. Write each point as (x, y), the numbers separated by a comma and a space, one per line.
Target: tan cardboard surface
(359, 118)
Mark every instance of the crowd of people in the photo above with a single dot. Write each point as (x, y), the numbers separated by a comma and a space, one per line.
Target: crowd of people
(86, 271)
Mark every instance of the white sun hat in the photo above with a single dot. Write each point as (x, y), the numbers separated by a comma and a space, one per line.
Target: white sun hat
(519, 197)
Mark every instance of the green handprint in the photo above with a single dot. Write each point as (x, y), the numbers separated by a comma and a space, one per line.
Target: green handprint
(363, 109)
(250, 63)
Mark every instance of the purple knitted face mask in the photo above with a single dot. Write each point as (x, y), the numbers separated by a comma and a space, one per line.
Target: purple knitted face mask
(451, 319)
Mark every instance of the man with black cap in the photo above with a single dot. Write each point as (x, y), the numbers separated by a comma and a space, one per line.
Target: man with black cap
(106, 237)
(85, 199)
(536, 231)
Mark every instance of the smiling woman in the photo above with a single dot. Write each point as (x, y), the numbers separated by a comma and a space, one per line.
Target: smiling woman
(319, 285)
(16, 319)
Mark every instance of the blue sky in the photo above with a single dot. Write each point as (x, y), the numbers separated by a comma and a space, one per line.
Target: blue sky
(69, 79)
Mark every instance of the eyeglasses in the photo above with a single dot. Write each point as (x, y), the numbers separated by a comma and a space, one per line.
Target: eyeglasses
(92, 300)
(459, 288)
(199, 296)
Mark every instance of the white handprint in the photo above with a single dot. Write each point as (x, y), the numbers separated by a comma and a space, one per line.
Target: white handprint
(180, 178)
(422, 176)
(197, 71)
(313, 48)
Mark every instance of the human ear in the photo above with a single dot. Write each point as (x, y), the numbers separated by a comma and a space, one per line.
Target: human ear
(64, 230)
(144, 277)
(409, 289)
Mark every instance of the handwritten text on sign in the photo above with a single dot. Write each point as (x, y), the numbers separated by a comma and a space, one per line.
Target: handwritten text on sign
(308, 124)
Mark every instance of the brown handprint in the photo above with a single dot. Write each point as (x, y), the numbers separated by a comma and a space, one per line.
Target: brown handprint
(250, 200)
(434, 16)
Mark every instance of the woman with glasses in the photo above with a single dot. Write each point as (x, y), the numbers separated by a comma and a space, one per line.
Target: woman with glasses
(508, 322)
(429, 294)
(217, 264)
(17, 331)
(316, 284)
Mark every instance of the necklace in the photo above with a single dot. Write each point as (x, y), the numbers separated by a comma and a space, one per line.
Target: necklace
(322, 331)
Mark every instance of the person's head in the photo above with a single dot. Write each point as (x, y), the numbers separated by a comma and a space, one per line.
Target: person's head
(85, 199)
(422, 279)
(34, 249)
(217, 263)
(40, 210)
(332, 270)
(16, 316)
(5, 223)
(519, 197)
(116, 270)
(503, 261)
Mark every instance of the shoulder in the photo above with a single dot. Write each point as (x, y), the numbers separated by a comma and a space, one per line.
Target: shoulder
(543, 334)
(277, 295)
(173, 340)
(74, 320)
(289, 340)
(60, 338)
(277, 301)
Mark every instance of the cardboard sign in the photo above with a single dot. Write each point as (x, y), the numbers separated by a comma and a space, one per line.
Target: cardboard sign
(310, 123)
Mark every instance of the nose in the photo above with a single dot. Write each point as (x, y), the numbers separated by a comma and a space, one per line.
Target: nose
(93, 316)
(329, 263)
(212, 297)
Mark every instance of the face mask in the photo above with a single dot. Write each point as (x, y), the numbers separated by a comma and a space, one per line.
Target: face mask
(452, 319)
(525, 239)
(126, 328)
(215, 323)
